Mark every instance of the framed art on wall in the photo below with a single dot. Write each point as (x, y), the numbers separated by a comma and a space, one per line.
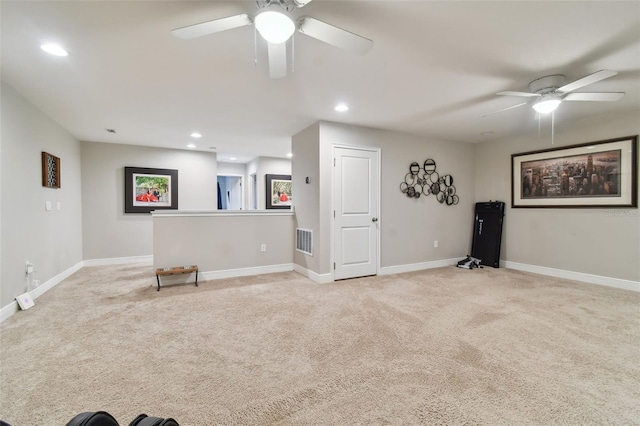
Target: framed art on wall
(278, 191)
(147, 189)
(594, 174)
(50, 170)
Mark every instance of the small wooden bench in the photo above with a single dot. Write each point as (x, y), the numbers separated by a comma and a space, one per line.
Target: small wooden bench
(174, 270)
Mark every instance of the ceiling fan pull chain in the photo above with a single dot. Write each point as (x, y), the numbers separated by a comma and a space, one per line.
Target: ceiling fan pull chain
(553, 114)
(255, 46)
(539, 121)
(293, 58)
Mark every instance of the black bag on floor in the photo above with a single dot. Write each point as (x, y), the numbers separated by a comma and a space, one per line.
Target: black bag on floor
(144, 420)
(93, 418)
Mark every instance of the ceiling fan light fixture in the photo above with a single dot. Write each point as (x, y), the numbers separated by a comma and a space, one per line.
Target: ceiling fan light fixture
(274, 26)
(54, 49)
(547, 104)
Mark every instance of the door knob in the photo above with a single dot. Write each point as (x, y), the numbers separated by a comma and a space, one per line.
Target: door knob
(375, 219)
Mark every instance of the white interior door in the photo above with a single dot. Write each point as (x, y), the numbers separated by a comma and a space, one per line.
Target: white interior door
(356, 203)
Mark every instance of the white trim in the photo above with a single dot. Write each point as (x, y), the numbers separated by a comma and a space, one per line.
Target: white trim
(8, 311)
(219, 213)
(49, 284)
(313, 276)
(243, 272)
(12, 307)
(399, 269)
(118, 260)
(570, 275)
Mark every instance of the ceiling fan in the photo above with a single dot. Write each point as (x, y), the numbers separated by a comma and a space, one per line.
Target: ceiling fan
(276, 25)
(548, 92)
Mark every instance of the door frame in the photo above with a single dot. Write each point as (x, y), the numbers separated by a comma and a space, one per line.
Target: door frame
(378, 152)
(243, 191)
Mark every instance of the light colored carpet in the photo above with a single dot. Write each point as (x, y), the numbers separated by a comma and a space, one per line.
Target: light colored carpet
(443, 346)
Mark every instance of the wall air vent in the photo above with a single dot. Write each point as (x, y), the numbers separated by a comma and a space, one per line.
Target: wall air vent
(304, 241)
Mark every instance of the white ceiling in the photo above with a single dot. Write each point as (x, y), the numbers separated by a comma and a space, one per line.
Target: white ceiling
(433, 71)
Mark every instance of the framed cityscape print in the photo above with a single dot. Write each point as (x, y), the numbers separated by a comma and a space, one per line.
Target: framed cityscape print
(148, 189)
(278, 191)
(594, 174)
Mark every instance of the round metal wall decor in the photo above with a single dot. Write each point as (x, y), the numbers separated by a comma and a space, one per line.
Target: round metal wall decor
(427, 181)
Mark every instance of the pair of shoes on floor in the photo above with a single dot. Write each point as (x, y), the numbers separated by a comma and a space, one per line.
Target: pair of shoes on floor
(102, 418)
(469, 263)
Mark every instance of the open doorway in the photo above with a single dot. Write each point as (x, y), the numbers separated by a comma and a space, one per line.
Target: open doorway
(230, 195)
(254, 191)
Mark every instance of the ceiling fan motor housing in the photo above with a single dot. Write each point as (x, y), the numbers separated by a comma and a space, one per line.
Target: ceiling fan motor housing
(288, 5)
(548, 84)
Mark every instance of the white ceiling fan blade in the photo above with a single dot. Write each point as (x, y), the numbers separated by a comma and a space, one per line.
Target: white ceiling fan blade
(525, 94)
(334, 36)
(277, 60)
(215, 26)
(301, 3)
(607, 96)
(584, 81)
(504, 109)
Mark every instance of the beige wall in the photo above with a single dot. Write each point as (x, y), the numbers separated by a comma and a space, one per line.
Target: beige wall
(597, 241)
(108, 232)
(262, 166)
(408, 227)
(306, 201)
(52, 240)
(222, 241)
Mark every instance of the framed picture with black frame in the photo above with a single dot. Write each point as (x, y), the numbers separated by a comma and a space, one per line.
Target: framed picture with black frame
(147, 189)
(594, 174)
(278, 191)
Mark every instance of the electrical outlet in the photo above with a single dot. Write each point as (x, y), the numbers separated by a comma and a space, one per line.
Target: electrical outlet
(29, 267)
(435, 243)
(263, 248)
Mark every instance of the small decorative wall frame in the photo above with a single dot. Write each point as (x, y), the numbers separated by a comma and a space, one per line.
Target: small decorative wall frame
(50, 170)
(426, 180)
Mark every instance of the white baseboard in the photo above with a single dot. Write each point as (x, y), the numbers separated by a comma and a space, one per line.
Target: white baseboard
(118, 260)
(8, 310)
(12, 307)
(399, 269)
(313, 276)
(570, 275)
(243, 272)
(49, 284)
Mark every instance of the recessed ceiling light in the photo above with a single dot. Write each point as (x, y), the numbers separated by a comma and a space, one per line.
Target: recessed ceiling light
(233, 158)
(341, 107)
(54, 49)
(196, 135)
(191, 146)
(290, 155)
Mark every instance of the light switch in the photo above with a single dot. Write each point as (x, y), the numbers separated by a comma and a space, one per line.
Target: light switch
(58, 205)
(47, 205)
